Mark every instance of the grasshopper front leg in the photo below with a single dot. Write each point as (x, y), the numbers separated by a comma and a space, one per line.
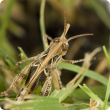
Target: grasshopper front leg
(45, 37)
(72, 61)
(23, 61)
(16, 81)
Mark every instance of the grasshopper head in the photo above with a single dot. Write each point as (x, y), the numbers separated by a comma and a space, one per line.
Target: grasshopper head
(63, 48)
(61, 43)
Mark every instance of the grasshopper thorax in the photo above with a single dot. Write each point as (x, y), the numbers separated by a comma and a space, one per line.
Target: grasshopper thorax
(62, 49)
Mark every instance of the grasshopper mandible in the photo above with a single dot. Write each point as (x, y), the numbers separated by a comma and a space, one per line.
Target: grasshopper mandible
(42, 66)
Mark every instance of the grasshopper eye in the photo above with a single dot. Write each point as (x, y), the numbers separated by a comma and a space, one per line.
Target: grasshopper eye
(56, 40)
(64, 47)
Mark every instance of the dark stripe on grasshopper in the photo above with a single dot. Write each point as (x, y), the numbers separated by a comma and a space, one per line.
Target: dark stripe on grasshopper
(46, 93)
(21, 90)
(36, 85)
(33, 69)
(18, 95)
(39, 80)
(44, 55)
(55, 58)
(47, 51)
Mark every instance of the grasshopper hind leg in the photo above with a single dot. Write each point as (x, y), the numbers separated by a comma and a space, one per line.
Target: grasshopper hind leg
(28, 87)
(21, 94)
(56, 79)
(46, 87)
(16, 81)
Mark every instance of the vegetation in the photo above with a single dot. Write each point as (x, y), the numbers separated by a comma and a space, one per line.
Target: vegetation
(74, 96)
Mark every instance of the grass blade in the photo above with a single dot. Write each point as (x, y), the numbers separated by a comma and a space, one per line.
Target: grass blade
(23, 55)
(107, 95)
(89, 73)
(10, 64)
(65, 92)
(91, 94)
(79, 94)
(47, 103)
(70, 88)
(106, 54)
(4, 54)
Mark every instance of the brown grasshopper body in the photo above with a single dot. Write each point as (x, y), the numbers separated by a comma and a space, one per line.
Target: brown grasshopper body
(42, 67)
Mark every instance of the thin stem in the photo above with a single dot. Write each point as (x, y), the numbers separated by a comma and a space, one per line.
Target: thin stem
(107, 95)
(106, 54)
(42, 25)
(109, 44)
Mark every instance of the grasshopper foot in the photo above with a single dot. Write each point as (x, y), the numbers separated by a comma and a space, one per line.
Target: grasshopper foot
(4, 94)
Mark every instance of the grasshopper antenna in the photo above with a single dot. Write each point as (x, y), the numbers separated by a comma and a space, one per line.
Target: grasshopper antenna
(64, 23)
(81, 35)
(66, 27)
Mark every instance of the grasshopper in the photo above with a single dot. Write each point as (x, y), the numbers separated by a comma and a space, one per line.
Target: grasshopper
(43, 66)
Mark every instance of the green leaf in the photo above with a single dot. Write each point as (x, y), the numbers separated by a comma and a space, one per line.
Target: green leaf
(10, 64)
(4, 54)
(48, 103)
(89, 73)
(3, 84)
(106, 54)
(41, 103)
(23, 55)
(79, 94)
(91, 94)
(65, 92)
